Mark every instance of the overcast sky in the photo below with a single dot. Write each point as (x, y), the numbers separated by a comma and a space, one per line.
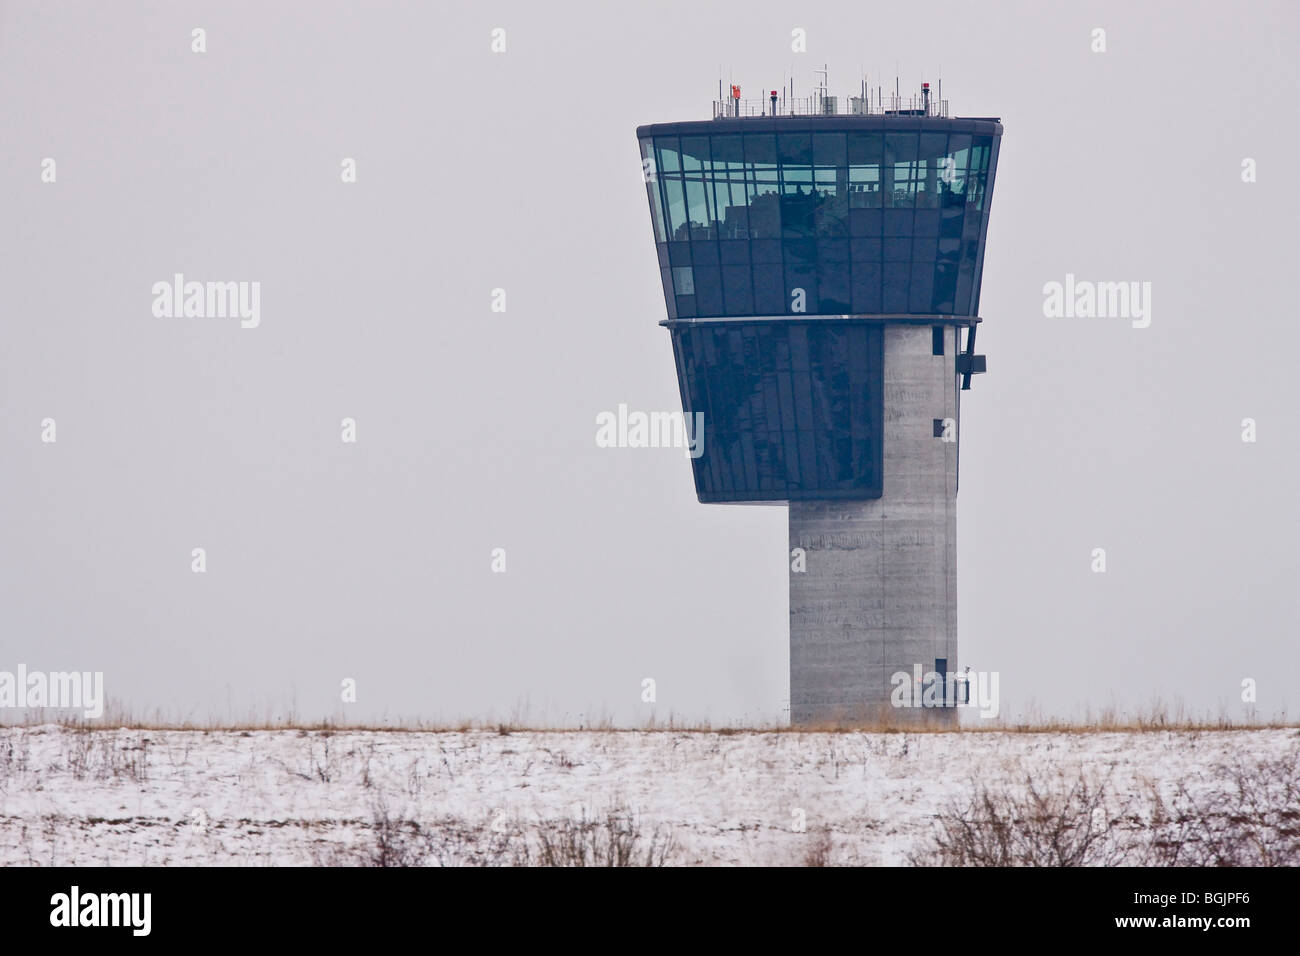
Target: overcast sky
(475, 429)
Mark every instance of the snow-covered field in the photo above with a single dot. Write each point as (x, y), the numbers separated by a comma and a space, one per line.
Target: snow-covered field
(76, 797)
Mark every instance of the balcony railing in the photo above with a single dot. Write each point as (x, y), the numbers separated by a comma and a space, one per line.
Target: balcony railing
(821, 105)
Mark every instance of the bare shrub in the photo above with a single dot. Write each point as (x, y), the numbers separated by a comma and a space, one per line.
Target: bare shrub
(325, 769)
(15, 756)
(104, 755)
(1243, 812)
(78, 746)
(615, 840)
(1061, 821)
(460, 843)
(396, 841)
(1249, 815)
(819, 851)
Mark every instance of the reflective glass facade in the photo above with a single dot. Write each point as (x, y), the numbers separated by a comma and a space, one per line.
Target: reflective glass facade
(792, 410)
(786, 247)
(864, 217)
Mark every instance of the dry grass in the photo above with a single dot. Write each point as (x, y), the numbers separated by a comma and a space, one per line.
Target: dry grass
(1156, 718)
(89, 754)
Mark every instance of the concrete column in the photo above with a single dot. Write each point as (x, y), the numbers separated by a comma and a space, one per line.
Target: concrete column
(880, 591)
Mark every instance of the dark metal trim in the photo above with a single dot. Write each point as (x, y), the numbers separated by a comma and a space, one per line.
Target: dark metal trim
(984, 126)
(969, 357)
(893, 318)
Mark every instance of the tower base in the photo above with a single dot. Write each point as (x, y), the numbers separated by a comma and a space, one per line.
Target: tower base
(877, 601)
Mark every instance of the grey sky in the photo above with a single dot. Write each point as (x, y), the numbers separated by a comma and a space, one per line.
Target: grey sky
(476, 429)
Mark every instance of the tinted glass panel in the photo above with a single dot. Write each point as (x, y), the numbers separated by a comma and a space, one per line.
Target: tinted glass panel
(674, 195)
(781, 208)
(649, 171)
(803, 421)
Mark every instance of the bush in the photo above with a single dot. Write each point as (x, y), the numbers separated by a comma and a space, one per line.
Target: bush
(1245, 814)
(1059, 822)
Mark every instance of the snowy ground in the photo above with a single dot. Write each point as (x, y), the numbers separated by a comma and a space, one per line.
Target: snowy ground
(70, 797)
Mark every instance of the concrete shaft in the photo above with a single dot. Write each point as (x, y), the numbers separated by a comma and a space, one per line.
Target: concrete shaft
(879, 595)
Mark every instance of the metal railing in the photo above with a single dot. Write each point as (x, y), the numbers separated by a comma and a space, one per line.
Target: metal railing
(821, 105)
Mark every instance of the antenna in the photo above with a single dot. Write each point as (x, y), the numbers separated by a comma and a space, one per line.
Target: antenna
(821, 90)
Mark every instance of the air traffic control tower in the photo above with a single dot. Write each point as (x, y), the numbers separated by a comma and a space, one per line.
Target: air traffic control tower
(821, 263)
